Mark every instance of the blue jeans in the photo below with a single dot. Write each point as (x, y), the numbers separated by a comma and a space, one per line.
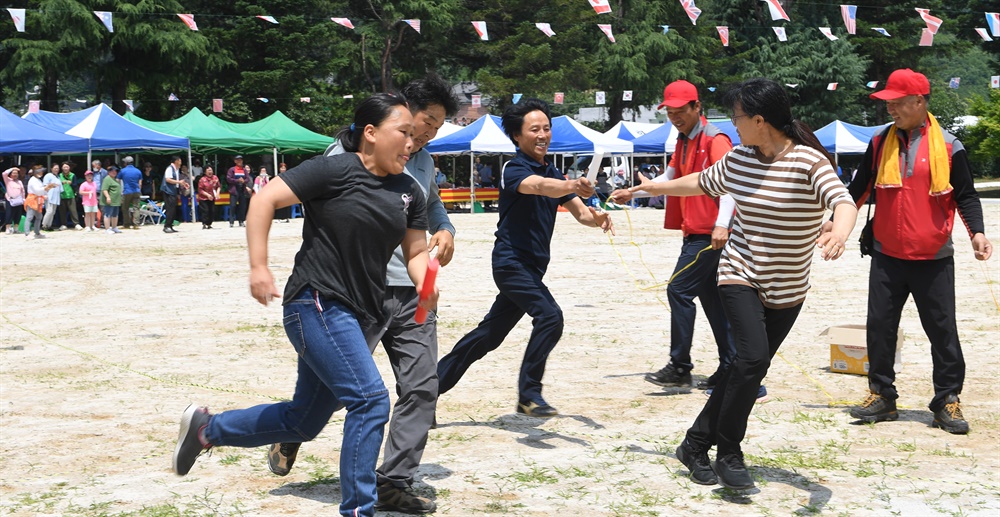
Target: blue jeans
(335, 369)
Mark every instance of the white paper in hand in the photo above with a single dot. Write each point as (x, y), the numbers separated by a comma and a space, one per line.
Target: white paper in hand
(595, 166)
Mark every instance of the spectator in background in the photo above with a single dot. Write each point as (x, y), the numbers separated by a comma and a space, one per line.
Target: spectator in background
(284, 214)
(261, 180)
(184, 192)
(15, 198)
(53, 196)
(131, 179)
(486, 175)
(147, 187)
(196, 169)
(99, 174)
(239, 191)
(34, 202)
(88, 194)
(111, 191)
(171, 189)
(208, 193)
(67, 198)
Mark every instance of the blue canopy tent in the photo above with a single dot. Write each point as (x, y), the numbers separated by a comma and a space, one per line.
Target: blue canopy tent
(843, 138)
(664, 139)
(482, 136)
(631, 130)
(106, 130)
(19, 136)
(570, 136)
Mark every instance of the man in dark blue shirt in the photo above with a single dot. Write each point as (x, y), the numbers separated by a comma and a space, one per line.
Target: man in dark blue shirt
(531, 191)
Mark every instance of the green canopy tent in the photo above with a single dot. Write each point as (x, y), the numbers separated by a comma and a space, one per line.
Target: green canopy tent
(282, 132)
(206, 136)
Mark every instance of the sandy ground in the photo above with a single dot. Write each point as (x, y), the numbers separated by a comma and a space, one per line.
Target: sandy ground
(121, 332)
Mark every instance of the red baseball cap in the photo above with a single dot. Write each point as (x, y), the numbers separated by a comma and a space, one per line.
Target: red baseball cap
(903, 82)
(677, 94)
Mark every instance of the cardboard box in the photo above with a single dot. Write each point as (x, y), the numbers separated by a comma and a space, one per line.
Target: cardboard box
(849, 349)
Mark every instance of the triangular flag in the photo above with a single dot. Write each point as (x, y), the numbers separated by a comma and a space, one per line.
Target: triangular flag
(711, 88)
(601, 6)
(481, 29)
(723, 35)
(872, 84)
(349, 96)
(780, 33)
(217, 105)
(172, 97)
(692, 11)
(831, 86)
(547, 29)
(129, 104)
(933, 22)
(994, 82)
(606, 29)
(413, 23)
(268, 18)
(627, 95)
(18, 16)
(343, 21)
(926, 37)
(828, 33)
(666, 28)
(306, 100)
(983, 34)
(953, 83)
(993, 22)
(558, 99)
(517, 96)
(792, 85)
(264, 99)
(105, 17)
(777, 13)
(849, 13)
(599, 98)
(882, 31)
(188, 20)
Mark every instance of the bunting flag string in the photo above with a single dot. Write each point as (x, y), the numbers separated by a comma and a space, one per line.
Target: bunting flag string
(666, 28)
(933, 22)
(129, 104)
(606, 29)
(983, 34)
(627, 95)
(547, 30)
(992, 21)
(832, 86)
(882, 31)
(306, 100)
(723, 35)
(17, 15)
(413, 23)
(599, 98)
(849, 13)
(188, 20)
(926, 37)
(780, 33)
(953, 83)
(105, 17)
(828, 33)
(481, 29)
(217, 105)
(777, 12)
(343, 21)
(173, 98)
(872, 84)
(601, 6)
(267, 18)
(516, 98)
(692, 11)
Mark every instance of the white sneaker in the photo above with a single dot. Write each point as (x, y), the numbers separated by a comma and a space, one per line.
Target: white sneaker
(116, 230)
(78, 227)
(109, 230)
(63, 227)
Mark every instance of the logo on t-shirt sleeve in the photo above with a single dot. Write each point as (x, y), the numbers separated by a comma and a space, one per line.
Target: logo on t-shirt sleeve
(406, 202)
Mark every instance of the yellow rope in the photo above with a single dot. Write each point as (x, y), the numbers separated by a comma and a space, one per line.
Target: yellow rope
(989, 283)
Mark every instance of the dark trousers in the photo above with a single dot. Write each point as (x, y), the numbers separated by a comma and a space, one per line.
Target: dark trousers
(238, 206)
(169, 208)
(67, 213)
(12, 214)
(932, 284)
(521, 291)
(206, 211)
(758, 332)
(129, 201)
(695, 276)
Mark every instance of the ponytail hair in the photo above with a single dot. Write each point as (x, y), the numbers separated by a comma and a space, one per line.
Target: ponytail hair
(768, 99)
(371, 112)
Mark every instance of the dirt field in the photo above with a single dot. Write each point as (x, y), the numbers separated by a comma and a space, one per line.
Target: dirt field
(121, 332)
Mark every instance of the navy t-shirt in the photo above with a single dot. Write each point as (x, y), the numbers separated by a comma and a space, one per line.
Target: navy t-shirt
(353, 221)
(524, 231)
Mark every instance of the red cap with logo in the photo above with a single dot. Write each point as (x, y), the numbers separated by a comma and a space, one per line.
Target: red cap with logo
(677, 94)
(903, 82)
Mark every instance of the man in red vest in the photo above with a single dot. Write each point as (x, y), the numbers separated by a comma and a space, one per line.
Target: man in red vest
(919, 174)
(705, 223)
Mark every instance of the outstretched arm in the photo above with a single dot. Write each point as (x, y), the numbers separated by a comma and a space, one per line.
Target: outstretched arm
(683, 186)
(588, 216)
(259, 216)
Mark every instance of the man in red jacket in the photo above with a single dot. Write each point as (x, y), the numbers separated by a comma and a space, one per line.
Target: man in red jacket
(918, 173)
(705, 223)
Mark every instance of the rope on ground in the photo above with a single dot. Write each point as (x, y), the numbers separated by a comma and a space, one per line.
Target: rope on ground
(989, 283)
(129, 369)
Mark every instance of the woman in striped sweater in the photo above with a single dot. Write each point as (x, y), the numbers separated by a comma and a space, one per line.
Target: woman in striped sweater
(782, 181)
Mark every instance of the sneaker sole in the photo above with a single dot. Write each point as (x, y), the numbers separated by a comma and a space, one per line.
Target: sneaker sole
(734, 487)
(668, 384)
(186, 419)
(953, 430)
(682, 456)
(886, 417)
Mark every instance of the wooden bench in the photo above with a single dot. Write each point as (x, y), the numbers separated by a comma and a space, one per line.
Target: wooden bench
(455, 197)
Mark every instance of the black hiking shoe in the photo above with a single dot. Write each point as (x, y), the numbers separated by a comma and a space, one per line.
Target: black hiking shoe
(536, 408)
(392, 498)
(697, 463)
(189, 443)
(281, 457)
(950, 417)
(710, 382)
(733, 472)
(875, 408)
(670, 376)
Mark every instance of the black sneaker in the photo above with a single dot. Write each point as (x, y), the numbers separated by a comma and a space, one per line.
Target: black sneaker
(733, 472)
(392, 498)
(189, 444)
(710, 382)
(697, 463)
(670, 376)
(950, 417)
(537, 408)
(875, 408)
(281, 457)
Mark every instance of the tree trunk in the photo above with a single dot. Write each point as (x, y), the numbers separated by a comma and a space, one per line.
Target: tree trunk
(387, 65)
(50, 91)
(119, 89)
(615, 110)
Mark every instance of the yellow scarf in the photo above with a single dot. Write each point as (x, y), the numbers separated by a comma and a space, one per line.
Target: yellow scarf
(888, 170)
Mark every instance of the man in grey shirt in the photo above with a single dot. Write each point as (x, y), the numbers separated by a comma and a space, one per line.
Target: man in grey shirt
(411, 347)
